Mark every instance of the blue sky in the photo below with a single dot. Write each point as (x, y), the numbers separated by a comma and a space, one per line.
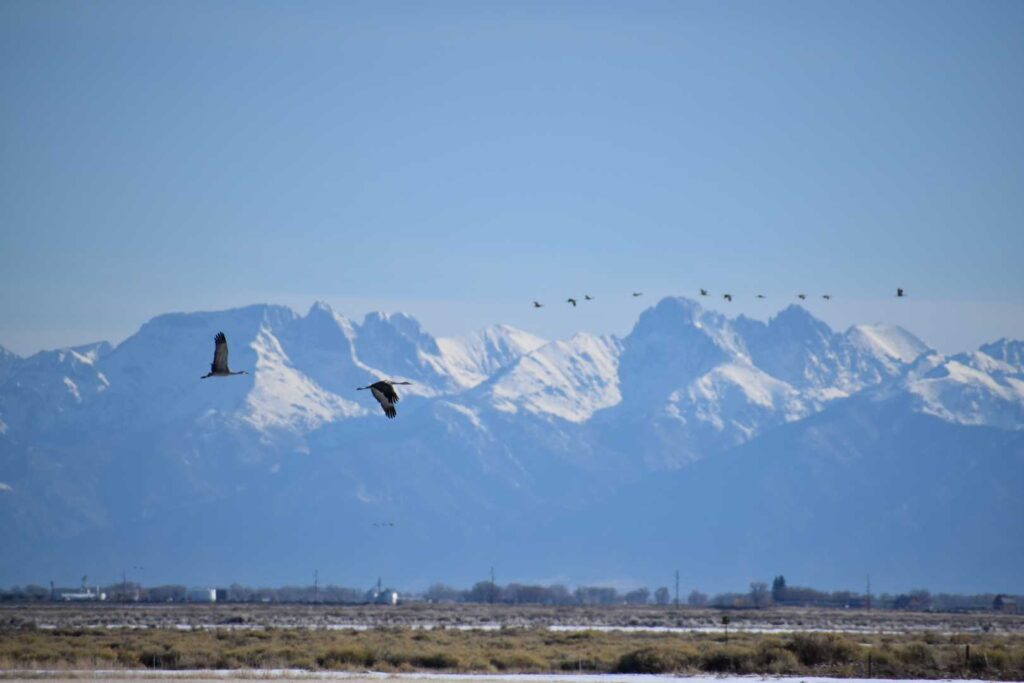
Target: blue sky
(457, 161)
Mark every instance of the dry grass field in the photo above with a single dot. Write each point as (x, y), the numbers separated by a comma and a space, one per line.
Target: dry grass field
(489, 639)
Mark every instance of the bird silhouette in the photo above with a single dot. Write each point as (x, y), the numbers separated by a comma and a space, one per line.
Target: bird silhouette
(727, 297)
(826, 297)
(801, 296)
(572, 301)
(387, 397)
(899, 292)
(588, 297)
(638, 293)
(760, 296)
(219, 366)
(703, 292)
(537, 304)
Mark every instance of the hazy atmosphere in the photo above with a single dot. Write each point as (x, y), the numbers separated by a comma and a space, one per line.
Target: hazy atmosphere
(573, 339)
(457, 160)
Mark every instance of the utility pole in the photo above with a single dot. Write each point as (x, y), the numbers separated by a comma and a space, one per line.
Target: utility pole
(869, 592)
(124, 586)
(493, 586)
(316, 586)
(677, 588)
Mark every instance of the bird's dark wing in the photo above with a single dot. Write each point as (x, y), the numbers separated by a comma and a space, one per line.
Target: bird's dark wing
(384, 399)
(220, 354)
(387, 390)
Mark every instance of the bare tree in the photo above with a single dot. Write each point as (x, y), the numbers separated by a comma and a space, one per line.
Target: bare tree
(760, 596)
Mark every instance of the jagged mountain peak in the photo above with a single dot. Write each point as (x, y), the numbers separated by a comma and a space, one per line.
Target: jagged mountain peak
(100, 445)
(795, 320)
(1007, 350)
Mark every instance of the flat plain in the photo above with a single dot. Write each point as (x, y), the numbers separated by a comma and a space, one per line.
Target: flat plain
(53, 640)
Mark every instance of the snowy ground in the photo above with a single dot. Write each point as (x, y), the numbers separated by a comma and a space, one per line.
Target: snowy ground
(490, 617)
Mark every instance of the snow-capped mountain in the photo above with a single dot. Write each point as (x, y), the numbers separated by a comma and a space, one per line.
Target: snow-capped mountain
(497, 427)
(475, 358)
(969, 388)
(570, 380)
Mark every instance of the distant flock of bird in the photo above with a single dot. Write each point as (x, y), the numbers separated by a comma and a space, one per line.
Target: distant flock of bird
(703, 292)
(384, 390)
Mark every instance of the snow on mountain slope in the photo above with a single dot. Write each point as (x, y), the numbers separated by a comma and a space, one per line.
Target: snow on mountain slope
(397, 345)
(671, 345)
(476, 357)
(737, 400)
(322, 345)
(803, 351)
(969, 388)
(887, 342)
(1007, 350)
(40, 389)
(281, 396)
(569, 379)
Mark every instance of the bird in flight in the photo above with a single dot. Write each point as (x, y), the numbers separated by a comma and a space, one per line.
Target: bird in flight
(384, 392)
(537, 304)
(219, 366)
(727, 297)
(572, 301)
(801, 296)
(587, 297)
(826, 297)
(899, 292)
(760, 296)
(703, 292)
(638, 293)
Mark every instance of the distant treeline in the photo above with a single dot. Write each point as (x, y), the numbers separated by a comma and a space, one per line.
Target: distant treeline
(758, 596)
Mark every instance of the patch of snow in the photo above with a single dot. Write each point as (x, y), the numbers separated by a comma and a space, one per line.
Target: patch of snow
(970, 388)
(738, 398)
(569, 379)
(471, 360)
(283, 397)
(890, 341)
(73, 389)
(472, 415)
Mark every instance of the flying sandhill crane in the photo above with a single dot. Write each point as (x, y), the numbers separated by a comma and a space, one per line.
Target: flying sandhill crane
(727, 297)
(219, 366)
(638, 293)
(899, 292)
(384, 392)
(801, 296)
(703, 292)
(760, 296)
(587, 297)
(537, 304)
(826, 297)
(572, 301)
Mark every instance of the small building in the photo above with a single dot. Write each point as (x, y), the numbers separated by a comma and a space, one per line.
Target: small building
(387, 597)
(84, 595)
(201, 595)
(1005, 604)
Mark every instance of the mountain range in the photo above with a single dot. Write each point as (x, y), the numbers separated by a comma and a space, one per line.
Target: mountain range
(730, 448)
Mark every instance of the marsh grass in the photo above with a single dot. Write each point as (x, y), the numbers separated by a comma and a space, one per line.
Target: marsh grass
(513, 650)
